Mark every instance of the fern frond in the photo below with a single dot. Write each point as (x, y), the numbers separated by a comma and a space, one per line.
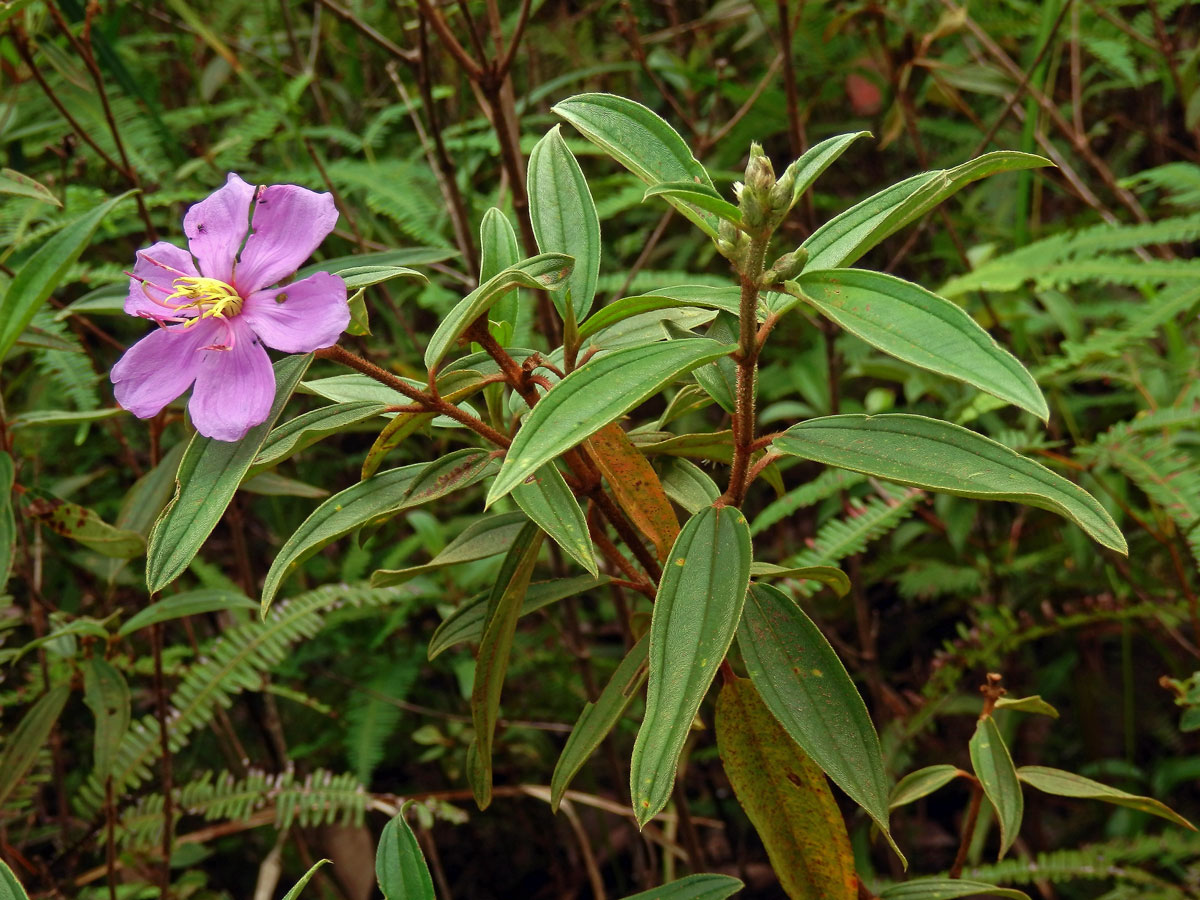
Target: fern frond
(373, 719)
(824, 485)
(235, 662)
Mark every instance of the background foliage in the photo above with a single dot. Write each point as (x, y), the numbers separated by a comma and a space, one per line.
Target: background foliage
(293, 739)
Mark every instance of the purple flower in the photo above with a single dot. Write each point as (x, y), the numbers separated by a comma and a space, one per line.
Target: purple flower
(216, 309)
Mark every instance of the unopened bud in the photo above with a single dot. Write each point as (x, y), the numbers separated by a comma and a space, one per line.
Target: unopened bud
(754, 214)
(790, 264)
(760, 174)
(781, 193)
(727, 231)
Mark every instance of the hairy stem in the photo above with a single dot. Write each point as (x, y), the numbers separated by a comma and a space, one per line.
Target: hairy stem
(747, 370)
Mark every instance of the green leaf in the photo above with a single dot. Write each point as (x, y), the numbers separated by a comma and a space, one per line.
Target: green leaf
(921, 783)
(491, 663)
(681, 296)
(688, 485)
(804, 684)
(10, 888)
(993, 766)
(939, 456)
(299, 885)
(718, 378)
(599, 718)
(546, 272)
(486, 537)
(564, 220)
(42, 273)
(17, 184)
(642, 142)
(1068, 784)
(189, 603)
(696, 195)
(208, 477)
(817, 159)
(466, 622)
(591, 397)
(359, 277)
(914, 325)
(847, 236)
(545, 498)
(272, 484)
(786, 797)
(947, 889)
(830, 576)
(372, 501)
(29, 737)
(399, 864)
(499, 251)
(1034, 704)
(703, 886)
(107, 696)
(307, 428)
(696, 614)
(52, 417)
(81, 524)
(8, 519)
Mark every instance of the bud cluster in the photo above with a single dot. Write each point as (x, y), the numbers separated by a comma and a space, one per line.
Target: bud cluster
(786, 267)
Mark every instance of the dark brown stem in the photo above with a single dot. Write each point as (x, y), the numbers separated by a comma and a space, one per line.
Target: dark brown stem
(340, 354)
(473, 69)
(747, 371)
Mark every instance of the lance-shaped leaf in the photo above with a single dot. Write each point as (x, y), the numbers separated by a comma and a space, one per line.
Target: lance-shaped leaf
(718, 378)
(8, 519)
(1034, 704)
(688, 485)
(696, 613)
(10, 888)
(599, 718)
(939, 456)
(25, 742)
(922, 783)
(359, 277)
(107, 696)
(698, 195)
(642, 142)
(564, 220)
(635, 485)
(546, 272)
(466, 622)
(815, 160)
(786, 797)
(912, 324)
(298, 888)
(545, 498)
(830, 576)
(374, 500)
(83, 525)
(1068, 784)
(680, 296)
(947, 889)
(486, 537)
(498, 250)
(208, 477)
(189, 603)
(997, 776)
(594, 395)
(400, 866)
(802, 681)
(491, 663)
(703, 886)
(847, 236)
(41, 274)
(19, 185)
(307, 428)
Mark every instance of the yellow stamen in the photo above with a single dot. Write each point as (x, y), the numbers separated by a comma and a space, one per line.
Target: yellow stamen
(211, 296)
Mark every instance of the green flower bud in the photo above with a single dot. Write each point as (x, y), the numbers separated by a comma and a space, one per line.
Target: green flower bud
(754, 214)
(727, 231)
(790, 264)
(760, 174)
(780, 198)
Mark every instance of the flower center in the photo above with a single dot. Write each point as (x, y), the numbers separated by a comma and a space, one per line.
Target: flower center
(212, 297)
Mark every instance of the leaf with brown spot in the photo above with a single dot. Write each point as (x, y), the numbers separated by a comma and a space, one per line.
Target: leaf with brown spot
(83, 525)
(636, 486)
(786, 797)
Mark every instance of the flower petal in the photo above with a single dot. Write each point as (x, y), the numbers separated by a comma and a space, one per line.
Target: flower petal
(289, 223)
(234, 388)
(160, 367)
(154, 274)
(303, 316)
(216, 226)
